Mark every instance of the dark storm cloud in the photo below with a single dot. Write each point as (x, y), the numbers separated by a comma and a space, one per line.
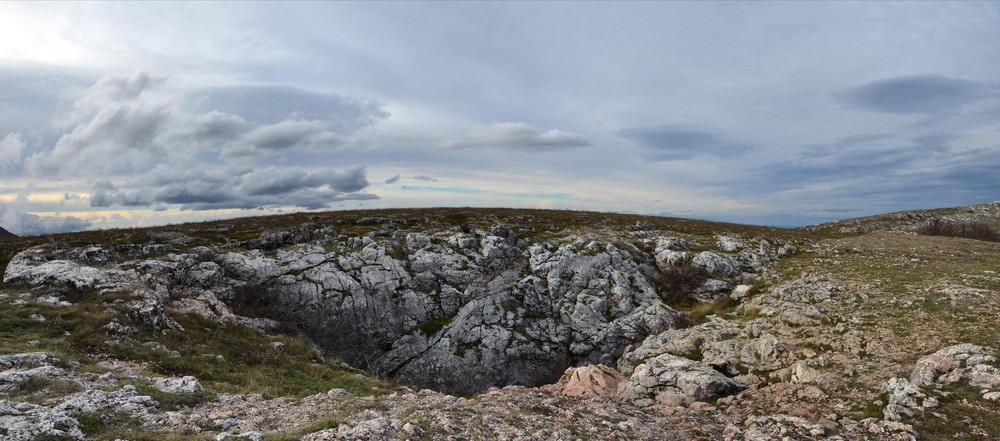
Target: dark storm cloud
(917, 94)
(673, 142)
(281, 181)
(218, 188)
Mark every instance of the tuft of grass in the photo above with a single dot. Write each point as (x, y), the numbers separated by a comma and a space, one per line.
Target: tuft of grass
(699, 312)
(432, 327)
(44, 388)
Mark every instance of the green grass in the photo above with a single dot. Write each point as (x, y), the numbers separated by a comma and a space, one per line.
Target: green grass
(38, 389)
(108, 427)
(968, 417)
(323, 424)
(171, 401)
(249, 363)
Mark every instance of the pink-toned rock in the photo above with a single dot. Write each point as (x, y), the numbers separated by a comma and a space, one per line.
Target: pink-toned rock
(589, 381)
(929, 368)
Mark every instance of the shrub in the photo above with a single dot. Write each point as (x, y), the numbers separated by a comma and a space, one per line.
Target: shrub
(967, 229)
(250, 301)
(682, 279)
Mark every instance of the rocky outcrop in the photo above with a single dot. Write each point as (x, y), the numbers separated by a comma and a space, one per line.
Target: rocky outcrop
(593, 380)
(933, 373)
(943, 366)
(526, 329)
(676, 381)
(57, 419)
(456, 311)
(717, 265)
(796, 303)
(181, 385)
(27, 422)
(910, 221)
(59, 273)
(27, 359)
(719, 343)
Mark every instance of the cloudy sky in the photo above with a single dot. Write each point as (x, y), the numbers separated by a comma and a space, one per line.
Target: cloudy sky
(122, 114)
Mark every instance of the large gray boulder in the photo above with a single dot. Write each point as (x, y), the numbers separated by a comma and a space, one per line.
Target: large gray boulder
(930, 367)
(676, 381)
(718, 343)
(178, 385)
(33, 270)
(28, 422)
(962, 362)
(717, 265)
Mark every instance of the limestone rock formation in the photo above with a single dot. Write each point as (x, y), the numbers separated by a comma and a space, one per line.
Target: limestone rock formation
(935, 372)
(452, 311)
(676, 381)
(512, 329)
(589, 381)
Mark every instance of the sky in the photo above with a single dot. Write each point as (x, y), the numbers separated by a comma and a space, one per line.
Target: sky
(776, 113)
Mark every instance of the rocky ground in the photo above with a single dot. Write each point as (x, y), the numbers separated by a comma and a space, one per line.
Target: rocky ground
(501, 324)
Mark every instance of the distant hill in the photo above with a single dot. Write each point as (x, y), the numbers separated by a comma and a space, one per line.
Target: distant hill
(5, 233)
(911, 220)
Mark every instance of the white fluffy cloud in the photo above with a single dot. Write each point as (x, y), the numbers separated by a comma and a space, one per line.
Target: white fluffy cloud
(196, 159)
(15, 218)
(11, 148)
(123, 124)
